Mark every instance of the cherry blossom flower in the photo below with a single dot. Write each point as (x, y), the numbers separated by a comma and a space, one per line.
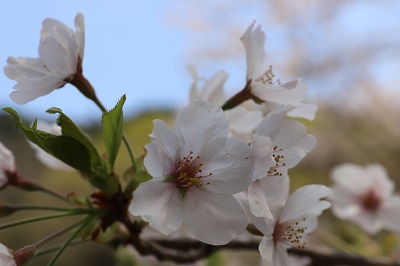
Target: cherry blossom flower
(279, 144)
(242, 121)
(45, 158)
(262, 80)
(292, 223)
(7, 164)
(6, 259)
(196, 168)
(60, 58)
(364, 195)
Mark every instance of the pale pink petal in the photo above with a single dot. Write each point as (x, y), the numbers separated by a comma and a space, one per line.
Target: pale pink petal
(30, 89)
(270, 93)
(257, 201)
(242, 122)
(306, 202)
(304, 110)
(199, 124)
(370, 222)
(272, 123)
(6, 259)
(263, 192)
(80, 33)
(263, 159)
(159, 203)
(213, 89)
(344, 204)
(22, 68)
(281, 257)
(212, 218)
(162, 153)
(56, 58)
(354, 178)
(231, 170)
(390, 214)
(267, 250)
(253, 42)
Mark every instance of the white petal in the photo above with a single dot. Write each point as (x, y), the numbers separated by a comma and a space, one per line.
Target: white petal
(267, 250)
(304, 110)
(213, 219)
(22, 68)
(257, 202)
(281, 257)
(159, 203)
(268, 93)
(263, 159)
(344, 203)
(56, 58)
(272, 123)
(242, 122)
(305, 202)
(28, 90)
(263, 192)
(199, 124)
(231, 171)
(370, 222)
(162, 153)
(80, 33)
(296, 152)
(253, 42)
(213, 89)
(391, 214)
(6, 259)
(358, 179)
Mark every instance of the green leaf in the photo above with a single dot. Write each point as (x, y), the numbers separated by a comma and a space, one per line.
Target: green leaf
(112, 123)
(65, 148)
(73, 147)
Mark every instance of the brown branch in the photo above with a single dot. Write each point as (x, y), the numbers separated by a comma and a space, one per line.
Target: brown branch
(189, 251)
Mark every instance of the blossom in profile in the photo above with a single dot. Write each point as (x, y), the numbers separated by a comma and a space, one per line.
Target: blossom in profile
(7, 165)
(60, 59)
(292, 223)
(262, 80)
(196, 169)
(45, 158)
(6, 259)
(364, 196)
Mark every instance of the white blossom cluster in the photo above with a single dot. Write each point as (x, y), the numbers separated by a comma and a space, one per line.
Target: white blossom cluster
(218, 170)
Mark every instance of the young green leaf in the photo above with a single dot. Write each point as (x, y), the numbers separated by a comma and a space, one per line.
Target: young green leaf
(112, 123)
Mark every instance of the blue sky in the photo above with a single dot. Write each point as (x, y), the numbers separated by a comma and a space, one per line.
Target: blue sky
(128, 50)
(133, 47)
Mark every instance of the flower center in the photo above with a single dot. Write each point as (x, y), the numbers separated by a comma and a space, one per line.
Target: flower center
(189, 172)
(291, 233)
(268, 77)
(278, 157)
(370, 201)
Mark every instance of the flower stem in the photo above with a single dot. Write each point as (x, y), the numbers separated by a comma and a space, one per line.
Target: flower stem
(29, 252)
(240, 97)
(83, 223)
(50, 250)
(30, 185)
(8, 209)
(49, 217)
